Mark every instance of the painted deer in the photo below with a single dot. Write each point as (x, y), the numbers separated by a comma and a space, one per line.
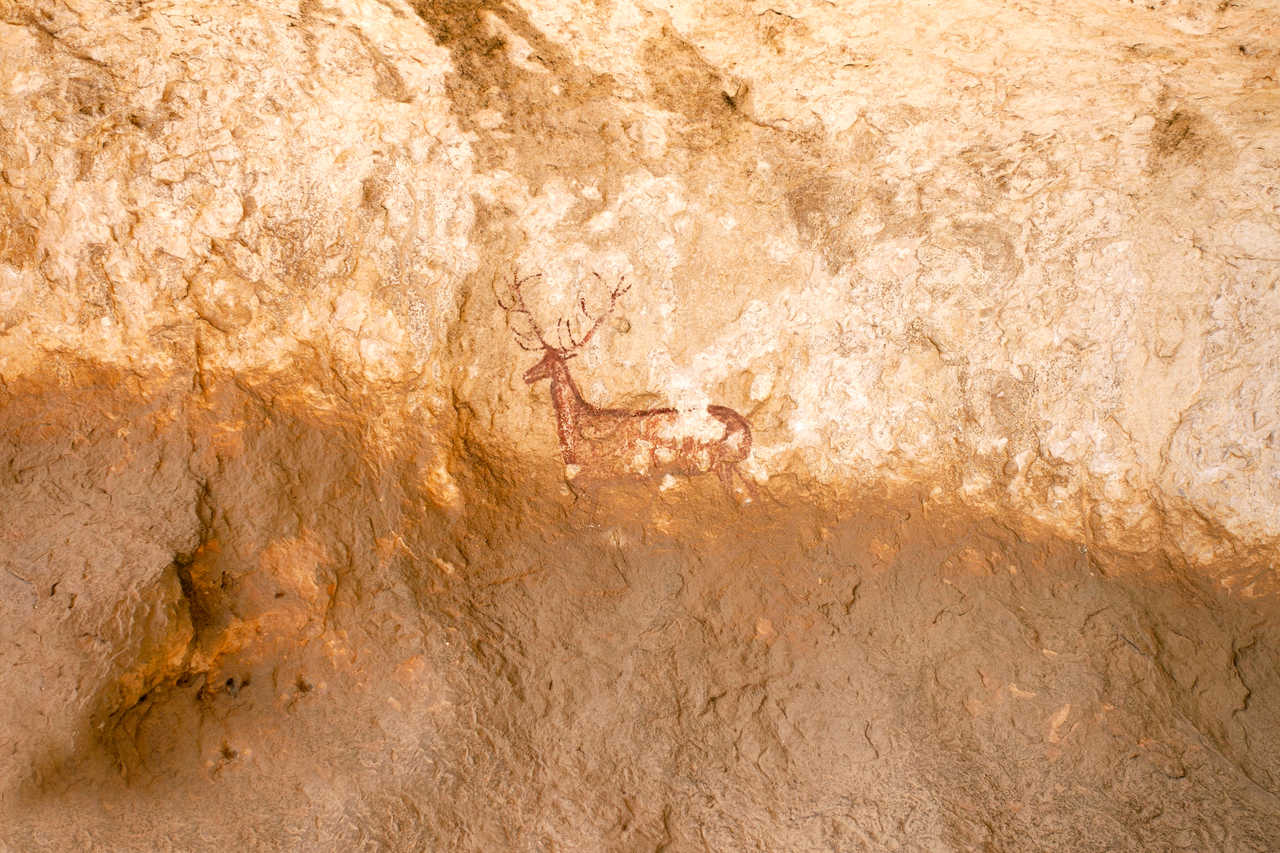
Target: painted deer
(625, 442)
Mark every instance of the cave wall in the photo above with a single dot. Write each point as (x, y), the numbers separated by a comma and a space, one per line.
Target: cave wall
(1027, 256)
(995, 287)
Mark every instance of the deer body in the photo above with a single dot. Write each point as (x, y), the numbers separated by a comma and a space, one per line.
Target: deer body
(627, 442)
(643, 442)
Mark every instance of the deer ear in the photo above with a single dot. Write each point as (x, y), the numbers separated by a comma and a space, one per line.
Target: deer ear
(568, 356)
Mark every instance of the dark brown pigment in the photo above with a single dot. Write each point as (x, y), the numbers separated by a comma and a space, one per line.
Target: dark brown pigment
(233, 622)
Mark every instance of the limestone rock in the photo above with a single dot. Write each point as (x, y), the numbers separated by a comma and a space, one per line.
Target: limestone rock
(961, 301)
(1028, 258)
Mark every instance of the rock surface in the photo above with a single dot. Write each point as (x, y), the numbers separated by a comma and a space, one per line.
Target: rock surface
(295, 557)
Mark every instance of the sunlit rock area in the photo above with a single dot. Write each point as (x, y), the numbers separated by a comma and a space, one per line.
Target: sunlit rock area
(622, 426)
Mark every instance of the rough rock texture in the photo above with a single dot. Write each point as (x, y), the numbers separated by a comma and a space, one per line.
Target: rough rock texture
(294, 558)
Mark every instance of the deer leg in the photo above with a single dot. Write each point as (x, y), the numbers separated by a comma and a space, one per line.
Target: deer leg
(576, 491)
(751, 487)
(725, 472)
(583, 491)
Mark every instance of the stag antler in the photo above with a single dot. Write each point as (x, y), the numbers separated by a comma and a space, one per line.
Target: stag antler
(615, 294)
(514, 304)
(517, 306)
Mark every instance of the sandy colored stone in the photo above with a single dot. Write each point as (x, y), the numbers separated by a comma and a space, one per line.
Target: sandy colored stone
(1028, 255)
(285, 530)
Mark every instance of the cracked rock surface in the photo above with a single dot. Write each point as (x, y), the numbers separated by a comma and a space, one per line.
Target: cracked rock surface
(916, 488)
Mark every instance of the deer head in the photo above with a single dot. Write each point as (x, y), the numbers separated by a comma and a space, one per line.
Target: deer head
(543, 369)
(569, 338)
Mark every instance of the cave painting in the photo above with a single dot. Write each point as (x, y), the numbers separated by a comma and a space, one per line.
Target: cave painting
(607, 443)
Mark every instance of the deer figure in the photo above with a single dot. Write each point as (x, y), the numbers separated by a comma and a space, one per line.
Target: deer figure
(625, 442)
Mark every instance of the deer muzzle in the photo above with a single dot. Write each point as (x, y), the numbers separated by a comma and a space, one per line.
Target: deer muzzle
(538, 371)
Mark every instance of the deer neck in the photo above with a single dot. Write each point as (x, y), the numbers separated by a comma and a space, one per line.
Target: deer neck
(564, 391)
(569, 407)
